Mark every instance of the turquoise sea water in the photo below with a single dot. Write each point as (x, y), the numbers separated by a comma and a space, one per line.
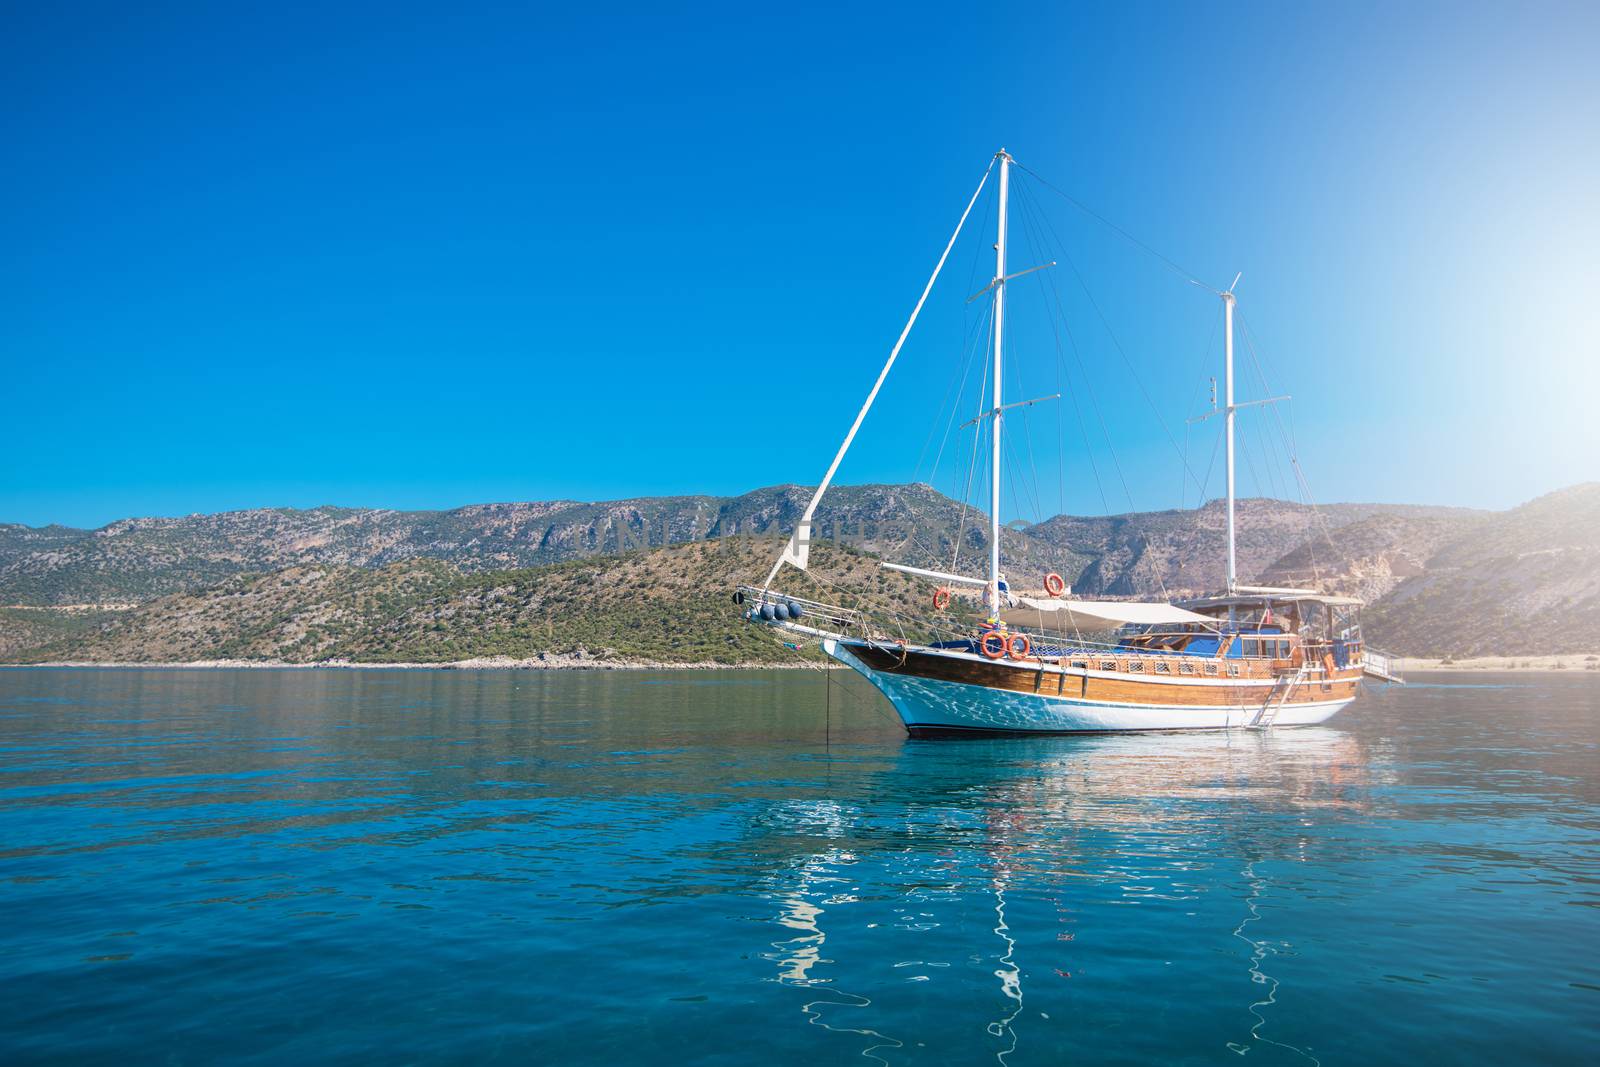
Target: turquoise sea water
(743, 867)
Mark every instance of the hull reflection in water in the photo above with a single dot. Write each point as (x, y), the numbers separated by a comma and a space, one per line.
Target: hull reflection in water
(1065, 840)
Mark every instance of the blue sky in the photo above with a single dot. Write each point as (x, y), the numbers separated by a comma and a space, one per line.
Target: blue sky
(422, 256)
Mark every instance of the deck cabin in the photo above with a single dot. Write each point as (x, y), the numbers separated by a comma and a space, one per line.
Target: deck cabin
(1255, 632)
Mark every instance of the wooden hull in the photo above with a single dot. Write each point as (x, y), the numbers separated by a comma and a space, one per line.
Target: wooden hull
(943, 693)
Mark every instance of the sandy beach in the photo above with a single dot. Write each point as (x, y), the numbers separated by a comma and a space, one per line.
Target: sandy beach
(1576, 662)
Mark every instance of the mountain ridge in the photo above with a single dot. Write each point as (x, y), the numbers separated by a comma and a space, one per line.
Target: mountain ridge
(141, 558)
(1440, 581)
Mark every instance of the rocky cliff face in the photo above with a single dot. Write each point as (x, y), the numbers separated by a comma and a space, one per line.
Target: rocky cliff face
(1369, 558)
(1523, 582)
(1177, 552)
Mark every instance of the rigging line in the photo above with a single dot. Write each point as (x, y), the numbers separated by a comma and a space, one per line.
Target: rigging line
(955, 405)
(1077, 355)
(1061, 445)
(1117, 344)
(1294, 463)
(1029, 236)
(1216, 443)
(990, 208)
(1247, 451)
(1094, 401)
(933, 425)
(1127, 491)
(827, 682)
(1026, 446)
(955, 409)
(1033, 466)
(1056, 327)
(966, 496)
(1257, 363)
(1011, 474)
(952, 395)
(1011, 477)
(1179, 271)
(1307, 497)
(1027, 434)
(1183, 486)
(1283, 438)
(1268, 457)
(1269, 461)
(1205, 361)
(971, 330)
(1061, 450)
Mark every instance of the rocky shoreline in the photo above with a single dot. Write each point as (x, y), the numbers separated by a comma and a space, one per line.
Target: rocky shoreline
(584, 662)
(546, 662)
(1581, 661)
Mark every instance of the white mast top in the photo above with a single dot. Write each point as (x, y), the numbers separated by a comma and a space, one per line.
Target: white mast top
(995, 604)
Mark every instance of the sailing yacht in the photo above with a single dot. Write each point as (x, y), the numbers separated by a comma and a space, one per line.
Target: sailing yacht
(1242, 657)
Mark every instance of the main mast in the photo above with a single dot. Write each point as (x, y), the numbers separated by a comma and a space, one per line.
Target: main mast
(999, 330)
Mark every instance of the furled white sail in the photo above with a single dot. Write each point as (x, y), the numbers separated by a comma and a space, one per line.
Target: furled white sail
(798, 550)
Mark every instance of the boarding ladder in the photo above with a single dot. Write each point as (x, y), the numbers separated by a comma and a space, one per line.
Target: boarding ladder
(1281, 692)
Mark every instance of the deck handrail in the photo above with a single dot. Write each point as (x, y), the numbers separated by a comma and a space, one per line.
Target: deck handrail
(844, 617)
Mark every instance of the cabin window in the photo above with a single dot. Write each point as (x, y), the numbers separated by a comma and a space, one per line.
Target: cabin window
(1136, 666)
(1211, 668)
(1081, 664)
(1185, 667)
(1163, 667)
(1283, 650)
(1233, 670)
(1108, 664)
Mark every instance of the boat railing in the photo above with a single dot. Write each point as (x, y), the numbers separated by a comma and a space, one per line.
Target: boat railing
(812, 611)
(1380, 665)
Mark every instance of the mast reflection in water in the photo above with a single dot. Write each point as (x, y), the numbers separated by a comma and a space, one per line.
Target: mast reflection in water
(1085, 824)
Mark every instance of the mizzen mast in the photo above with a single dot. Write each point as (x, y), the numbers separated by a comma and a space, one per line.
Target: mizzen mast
(1227, 377)
(1229, 408)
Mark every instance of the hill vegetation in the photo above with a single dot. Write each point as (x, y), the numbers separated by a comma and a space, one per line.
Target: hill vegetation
(669, 605)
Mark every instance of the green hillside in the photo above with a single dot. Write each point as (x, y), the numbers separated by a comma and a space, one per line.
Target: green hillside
(668, 605)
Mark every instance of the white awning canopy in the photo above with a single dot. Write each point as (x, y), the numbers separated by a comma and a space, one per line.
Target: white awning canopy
(960, 579)
(1098, 614)
(1259, 597)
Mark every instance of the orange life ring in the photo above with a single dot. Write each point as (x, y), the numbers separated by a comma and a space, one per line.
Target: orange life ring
(941, 599)
(1054, 585)
(997, 648)
(1013, 649)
